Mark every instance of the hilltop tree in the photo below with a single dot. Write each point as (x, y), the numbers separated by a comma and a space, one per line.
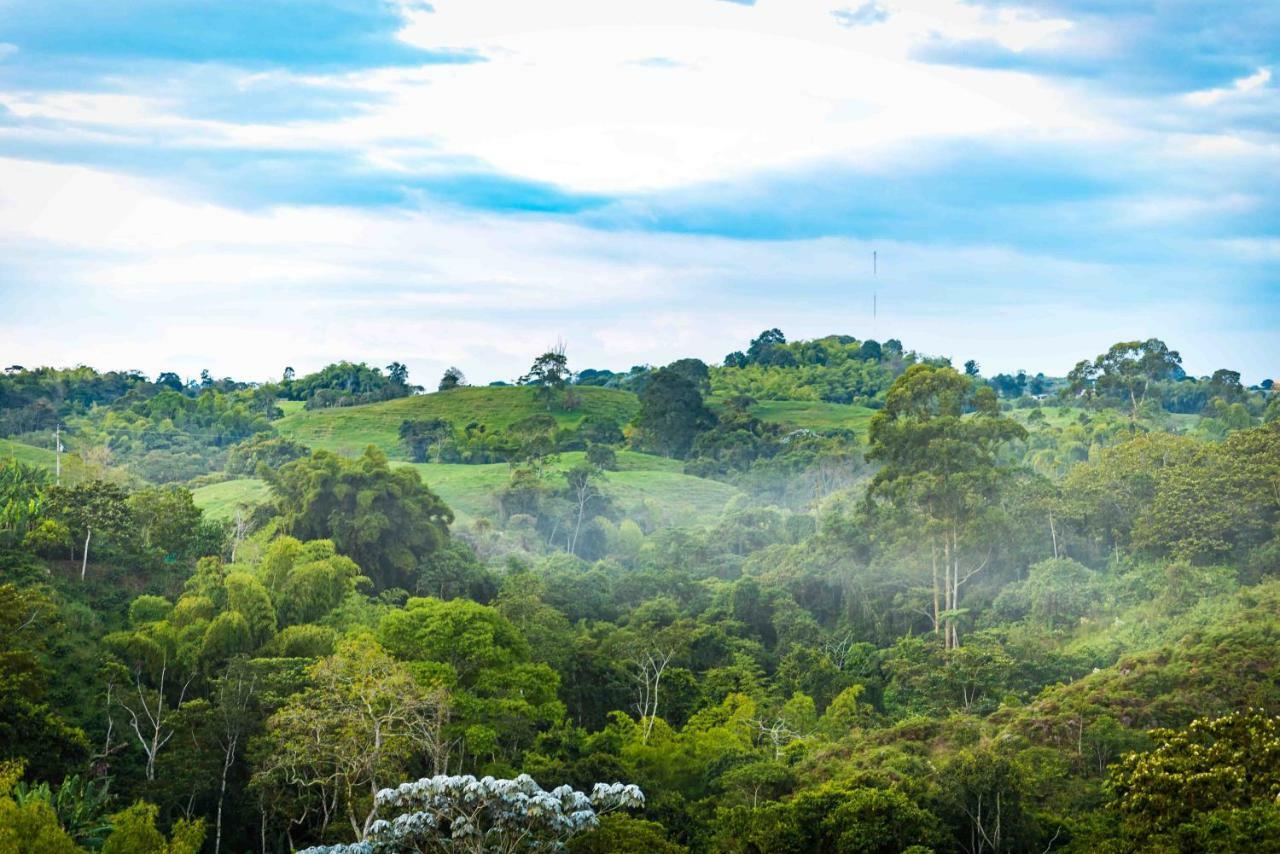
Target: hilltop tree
(398, 373)
(936, 439)
(386, 520)
(549, 373)
(1126, 372)
(453, 378)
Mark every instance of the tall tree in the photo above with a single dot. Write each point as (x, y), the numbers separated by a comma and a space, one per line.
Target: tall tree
(937, 439)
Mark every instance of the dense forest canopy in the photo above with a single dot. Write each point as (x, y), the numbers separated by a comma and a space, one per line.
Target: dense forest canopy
(824, 596)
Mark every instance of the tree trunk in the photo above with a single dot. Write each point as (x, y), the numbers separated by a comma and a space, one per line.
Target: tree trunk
(84, 563)
(228, 757)
(933, 557)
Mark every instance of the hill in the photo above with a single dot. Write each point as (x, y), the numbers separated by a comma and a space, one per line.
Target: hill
(347, 430)
(45, 458)
(219, 500)
(814, 415)
(645, 485)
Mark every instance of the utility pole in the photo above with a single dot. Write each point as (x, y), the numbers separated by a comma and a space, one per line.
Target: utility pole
(57, 454)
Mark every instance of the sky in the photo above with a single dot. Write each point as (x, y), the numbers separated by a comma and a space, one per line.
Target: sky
(244, 185)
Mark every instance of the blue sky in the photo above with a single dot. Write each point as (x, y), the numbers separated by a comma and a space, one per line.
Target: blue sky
(258, 183)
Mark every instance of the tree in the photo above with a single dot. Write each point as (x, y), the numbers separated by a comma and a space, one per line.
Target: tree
(764, 346)
(971, 368)
(398, 373)
(153, 685)
(386, 520)
(1167, 796)
(358, 726)
(453, 378)
(1061, 591)
(488, 816)
(166, 518)
(941, 464)
(29, 827)
(649, 666)
(30, 729)
(827, 820)
(425, 438)
(134, 832)
(22, 499)
(549, 373)
(1126, 372)
(95, 506)
(672, 413)
(469, 637)
(582, 483)
(695, 371)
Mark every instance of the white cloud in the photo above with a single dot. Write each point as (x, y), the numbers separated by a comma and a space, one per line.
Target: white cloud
(1243, 86)
(569, 95)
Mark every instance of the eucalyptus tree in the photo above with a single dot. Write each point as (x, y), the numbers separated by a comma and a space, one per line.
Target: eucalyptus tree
(937, 440)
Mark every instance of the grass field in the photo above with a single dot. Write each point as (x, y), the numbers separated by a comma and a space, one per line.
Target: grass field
(347, 430)
(1062, 416)
(672, 497)
(655, 485)
(219, 500)
(814, 415)
(72, 467)
(29, 454)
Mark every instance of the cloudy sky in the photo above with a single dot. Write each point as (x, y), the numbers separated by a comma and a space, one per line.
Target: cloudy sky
(248, 184)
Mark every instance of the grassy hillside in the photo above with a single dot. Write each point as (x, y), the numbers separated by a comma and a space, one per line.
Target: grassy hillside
(814, 415)
(72, 467)
(219, 500)
(672, 497)
(653, 485)
(348, 430)
(29, 454)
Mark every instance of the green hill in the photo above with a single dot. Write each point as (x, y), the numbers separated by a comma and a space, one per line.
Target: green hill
(653, 486)
(347, 430)
(219, 500)
(72, 466)
(814, 415)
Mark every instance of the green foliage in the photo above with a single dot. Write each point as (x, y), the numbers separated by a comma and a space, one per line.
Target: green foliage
(672, 414)
(622, 834)
(29, 827)
(263, 449)
(468, 637)
(166, 520)
(134, 832)
(348, 384)
(1194, 782)
(386, 520)
(830, 819)
(30, 728)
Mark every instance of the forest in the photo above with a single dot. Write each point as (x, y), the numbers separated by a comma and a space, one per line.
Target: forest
(828, 595)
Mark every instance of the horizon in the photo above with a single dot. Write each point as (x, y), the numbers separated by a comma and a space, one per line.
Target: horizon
(275, 183)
